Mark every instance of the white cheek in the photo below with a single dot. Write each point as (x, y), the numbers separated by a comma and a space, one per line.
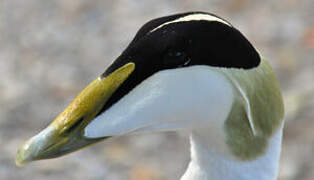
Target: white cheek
(173, 99)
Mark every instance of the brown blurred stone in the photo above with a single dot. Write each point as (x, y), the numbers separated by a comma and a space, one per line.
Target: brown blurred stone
(144, 173)
(309, 38)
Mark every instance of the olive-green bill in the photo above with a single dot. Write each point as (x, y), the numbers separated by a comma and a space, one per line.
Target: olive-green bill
(65, 133)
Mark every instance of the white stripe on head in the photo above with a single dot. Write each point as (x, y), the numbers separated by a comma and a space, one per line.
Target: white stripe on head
(193, 17)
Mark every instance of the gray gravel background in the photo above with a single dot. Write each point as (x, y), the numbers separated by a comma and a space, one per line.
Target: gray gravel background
(51, 49)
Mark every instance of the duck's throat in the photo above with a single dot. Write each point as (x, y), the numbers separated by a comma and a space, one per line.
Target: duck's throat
(211, 163)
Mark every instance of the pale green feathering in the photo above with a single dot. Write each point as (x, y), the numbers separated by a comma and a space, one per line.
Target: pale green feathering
(257, 110)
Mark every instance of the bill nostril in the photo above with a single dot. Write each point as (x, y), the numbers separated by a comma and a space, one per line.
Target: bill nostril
(73, 126)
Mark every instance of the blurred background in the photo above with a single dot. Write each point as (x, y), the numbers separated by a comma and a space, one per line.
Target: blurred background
(51, 49)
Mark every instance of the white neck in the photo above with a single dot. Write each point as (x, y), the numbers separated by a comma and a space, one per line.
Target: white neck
(210, 163)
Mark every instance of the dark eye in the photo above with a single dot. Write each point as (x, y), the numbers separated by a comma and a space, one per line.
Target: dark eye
(175, 59)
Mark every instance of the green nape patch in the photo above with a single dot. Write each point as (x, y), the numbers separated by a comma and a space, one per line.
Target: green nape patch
(240, 138)
(257, 111)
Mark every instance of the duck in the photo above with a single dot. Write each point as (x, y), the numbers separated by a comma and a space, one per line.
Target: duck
(191, 72)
